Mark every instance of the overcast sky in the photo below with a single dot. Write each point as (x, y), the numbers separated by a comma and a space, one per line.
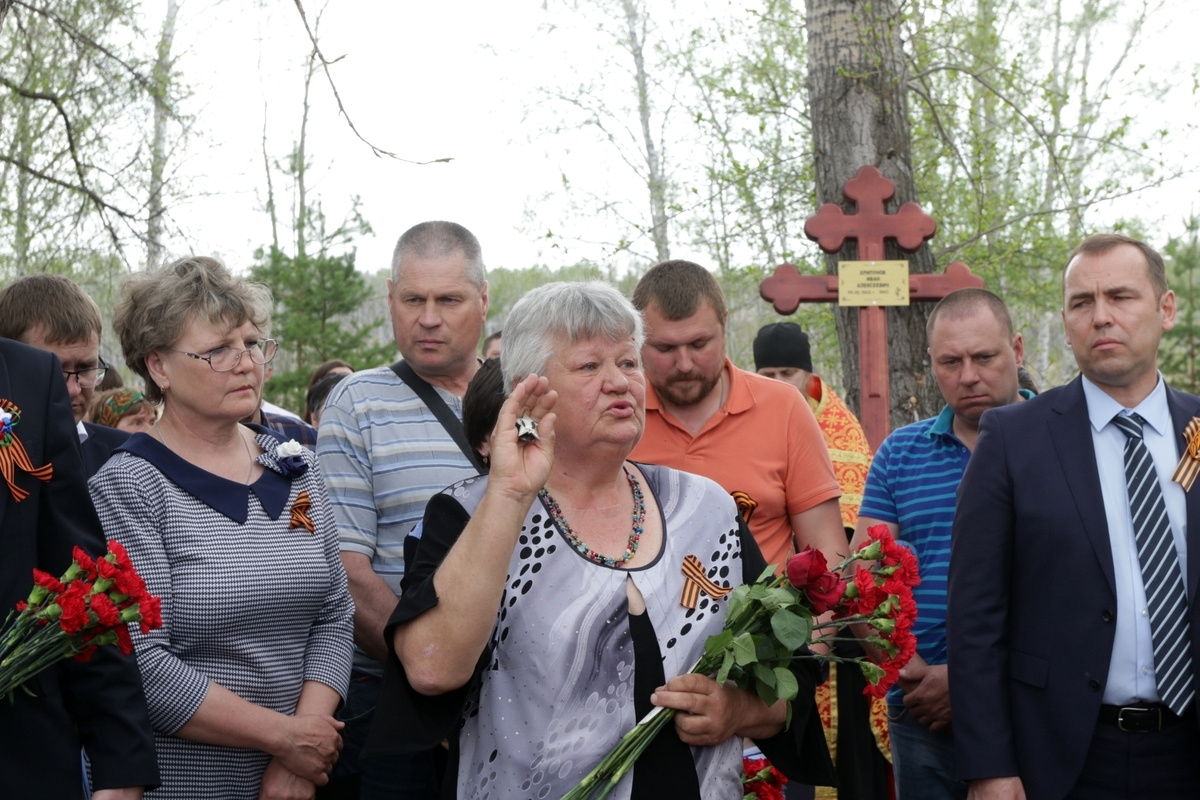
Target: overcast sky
(455, 79)
(418, 79)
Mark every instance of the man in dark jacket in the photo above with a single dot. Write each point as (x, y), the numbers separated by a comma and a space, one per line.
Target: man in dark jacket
(97, 705)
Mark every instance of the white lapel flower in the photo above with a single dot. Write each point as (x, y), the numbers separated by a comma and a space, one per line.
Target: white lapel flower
(290, 456)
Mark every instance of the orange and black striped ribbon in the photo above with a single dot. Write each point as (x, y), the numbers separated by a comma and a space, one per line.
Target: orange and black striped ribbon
(745, 505)
(300, 517)
(696, 581)
(1189, 465)
(14, 457)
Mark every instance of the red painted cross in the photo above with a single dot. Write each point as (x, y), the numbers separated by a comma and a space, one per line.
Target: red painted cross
(870, 226)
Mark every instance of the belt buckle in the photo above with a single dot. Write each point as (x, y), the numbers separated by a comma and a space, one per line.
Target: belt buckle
(1139, 729)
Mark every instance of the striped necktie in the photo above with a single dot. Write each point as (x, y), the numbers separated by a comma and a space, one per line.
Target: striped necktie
(1166, 598)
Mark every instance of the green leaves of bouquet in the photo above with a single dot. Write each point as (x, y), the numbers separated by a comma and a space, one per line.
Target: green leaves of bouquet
(757, 657)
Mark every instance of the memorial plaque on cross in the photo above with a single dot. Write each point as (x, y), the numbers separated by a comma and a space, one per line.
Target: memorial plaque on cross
(871, 226)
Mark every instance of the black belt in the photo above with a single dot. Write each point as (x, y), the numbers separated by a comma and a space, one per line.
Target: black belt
(1139, 719)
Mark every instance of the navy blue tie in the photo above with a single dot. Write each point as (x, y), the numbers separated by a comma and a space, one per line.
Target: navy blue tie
(1166, 597)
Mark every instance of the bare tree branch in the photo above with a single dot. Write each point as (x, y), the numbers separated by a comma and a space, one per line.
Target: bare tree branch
(101, 204)
(1061, 209)
(83, 186)
(78, 36)
(342, 108)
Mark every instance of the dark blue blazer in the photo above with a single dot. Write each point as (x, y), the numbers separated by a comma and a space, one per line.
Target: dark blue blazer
(100, 704)
(99, 445)
(1031, 594)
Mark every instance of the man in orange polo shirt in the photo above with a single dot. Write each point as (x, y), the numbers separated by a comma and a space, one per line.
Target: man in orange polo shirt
(754, 436)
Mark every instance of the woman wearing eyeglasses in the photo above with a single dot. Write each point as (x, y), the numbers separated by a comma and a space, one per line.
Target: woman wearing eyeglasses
(232, 528)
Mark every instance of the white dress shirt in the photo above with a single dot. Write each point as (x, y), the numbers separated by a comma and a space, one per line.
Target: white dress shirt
(1131, 669)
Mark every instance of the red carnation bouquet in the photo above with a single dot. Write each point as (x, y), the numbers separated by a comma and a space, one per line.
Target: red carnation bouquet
(769, 620)
(90, 606)
(761, 781)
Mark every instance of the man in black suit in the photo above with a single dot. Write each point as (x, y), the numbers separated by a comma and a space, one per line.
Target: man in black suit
(98, 705)
(52, 313)
(1073, 666)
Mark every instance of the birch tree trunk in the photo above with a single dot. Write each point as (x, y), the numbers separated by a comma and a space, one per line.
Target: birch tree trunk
(656, 183)
(161, 79)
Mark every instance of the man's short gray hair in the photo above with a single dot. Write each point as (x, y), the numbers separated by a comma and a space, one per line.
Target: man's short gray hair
(572, 311)
(439, 238)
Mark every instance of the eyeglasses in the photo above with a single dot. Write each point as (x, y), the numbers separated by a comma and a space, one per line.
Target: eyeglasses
(225, 359)
(87, 377)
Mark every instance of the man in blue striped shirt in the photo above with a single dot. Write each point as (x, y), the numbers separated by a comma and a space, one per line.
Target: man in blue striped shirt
(384, 454)
(911, 488)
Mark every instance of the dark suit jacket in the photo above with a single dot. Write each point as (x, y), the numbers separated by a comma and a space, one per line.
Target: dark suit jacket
(99, 704)
(99, 445)
(1031, 594)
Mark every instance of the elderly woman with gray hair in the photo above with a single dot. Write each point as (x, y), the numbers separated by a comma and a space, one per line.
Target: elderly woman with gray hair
(232, 529)
(542, 616)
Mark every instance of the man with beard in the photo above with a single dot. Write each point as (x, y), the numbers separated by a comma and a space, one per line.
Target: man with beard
(754, 436)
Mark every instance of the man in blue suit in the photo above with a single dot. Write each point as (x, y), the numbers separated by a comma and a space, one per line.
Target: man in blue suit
(52, 313)
(1059, 685)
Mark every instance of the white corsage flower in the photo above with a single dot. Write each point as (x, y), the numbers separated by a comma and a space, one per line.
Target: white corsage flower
(291, 459)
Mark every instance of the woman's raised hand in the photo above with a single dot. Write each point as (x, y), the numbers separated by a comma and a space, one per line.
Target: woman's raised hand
(520, 468)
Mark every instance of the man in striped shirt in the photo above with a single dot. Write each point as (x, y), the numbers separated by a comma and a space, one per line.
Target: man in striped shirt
(911, 488)
(384, 454)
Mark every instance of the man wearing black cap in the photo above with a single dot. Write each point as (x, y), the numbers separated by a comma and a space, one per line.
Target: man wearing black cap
(782, 352)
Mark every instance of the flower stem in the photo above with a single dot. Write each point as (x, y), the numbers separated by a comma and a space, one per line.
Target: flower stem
(608, 773)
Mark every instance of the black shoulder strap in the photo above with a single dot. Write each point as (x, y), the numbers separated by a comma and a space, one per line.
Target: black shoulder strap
(437, 405)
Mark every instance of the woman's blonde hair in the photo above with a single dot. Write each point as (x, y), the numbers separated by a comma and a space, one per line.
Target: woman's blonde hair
(154, 308)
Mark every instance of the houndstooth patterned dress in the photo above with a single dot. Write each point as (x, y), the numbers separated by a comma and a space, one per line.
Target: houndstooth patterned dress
(250, 600)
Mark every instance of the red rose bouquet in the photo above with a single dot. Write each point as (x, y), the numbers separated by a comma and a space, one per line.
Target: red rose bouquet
(88, 607)
(770, 620)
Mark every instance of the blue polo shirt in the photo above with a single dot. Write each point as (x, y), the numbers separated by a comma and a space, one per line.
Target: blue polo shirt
(913, 483)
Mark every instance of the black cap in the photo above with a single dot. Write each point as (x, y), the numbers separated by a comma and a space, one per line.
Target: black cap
(782, 344)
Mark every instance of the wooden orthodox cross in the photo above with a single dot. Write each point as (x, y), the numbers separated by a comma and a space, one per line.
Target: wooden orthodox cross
(830, 229)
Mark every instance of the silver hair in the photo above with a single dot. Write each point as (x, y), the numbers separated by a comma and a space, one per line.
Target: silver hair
(440, 238)
(572, 311)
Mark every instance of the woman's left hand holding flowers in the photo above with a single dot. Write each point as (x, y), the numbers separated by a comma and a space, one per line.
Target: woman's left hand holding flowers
(710, 713)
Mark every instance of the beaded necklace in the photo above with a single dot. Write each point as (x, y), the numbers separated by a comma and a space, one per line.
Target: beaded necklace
(635, 536)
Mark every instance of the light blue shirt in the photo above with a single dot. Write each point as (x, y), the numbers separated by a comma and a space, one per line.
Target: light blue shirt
(1131, 669)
